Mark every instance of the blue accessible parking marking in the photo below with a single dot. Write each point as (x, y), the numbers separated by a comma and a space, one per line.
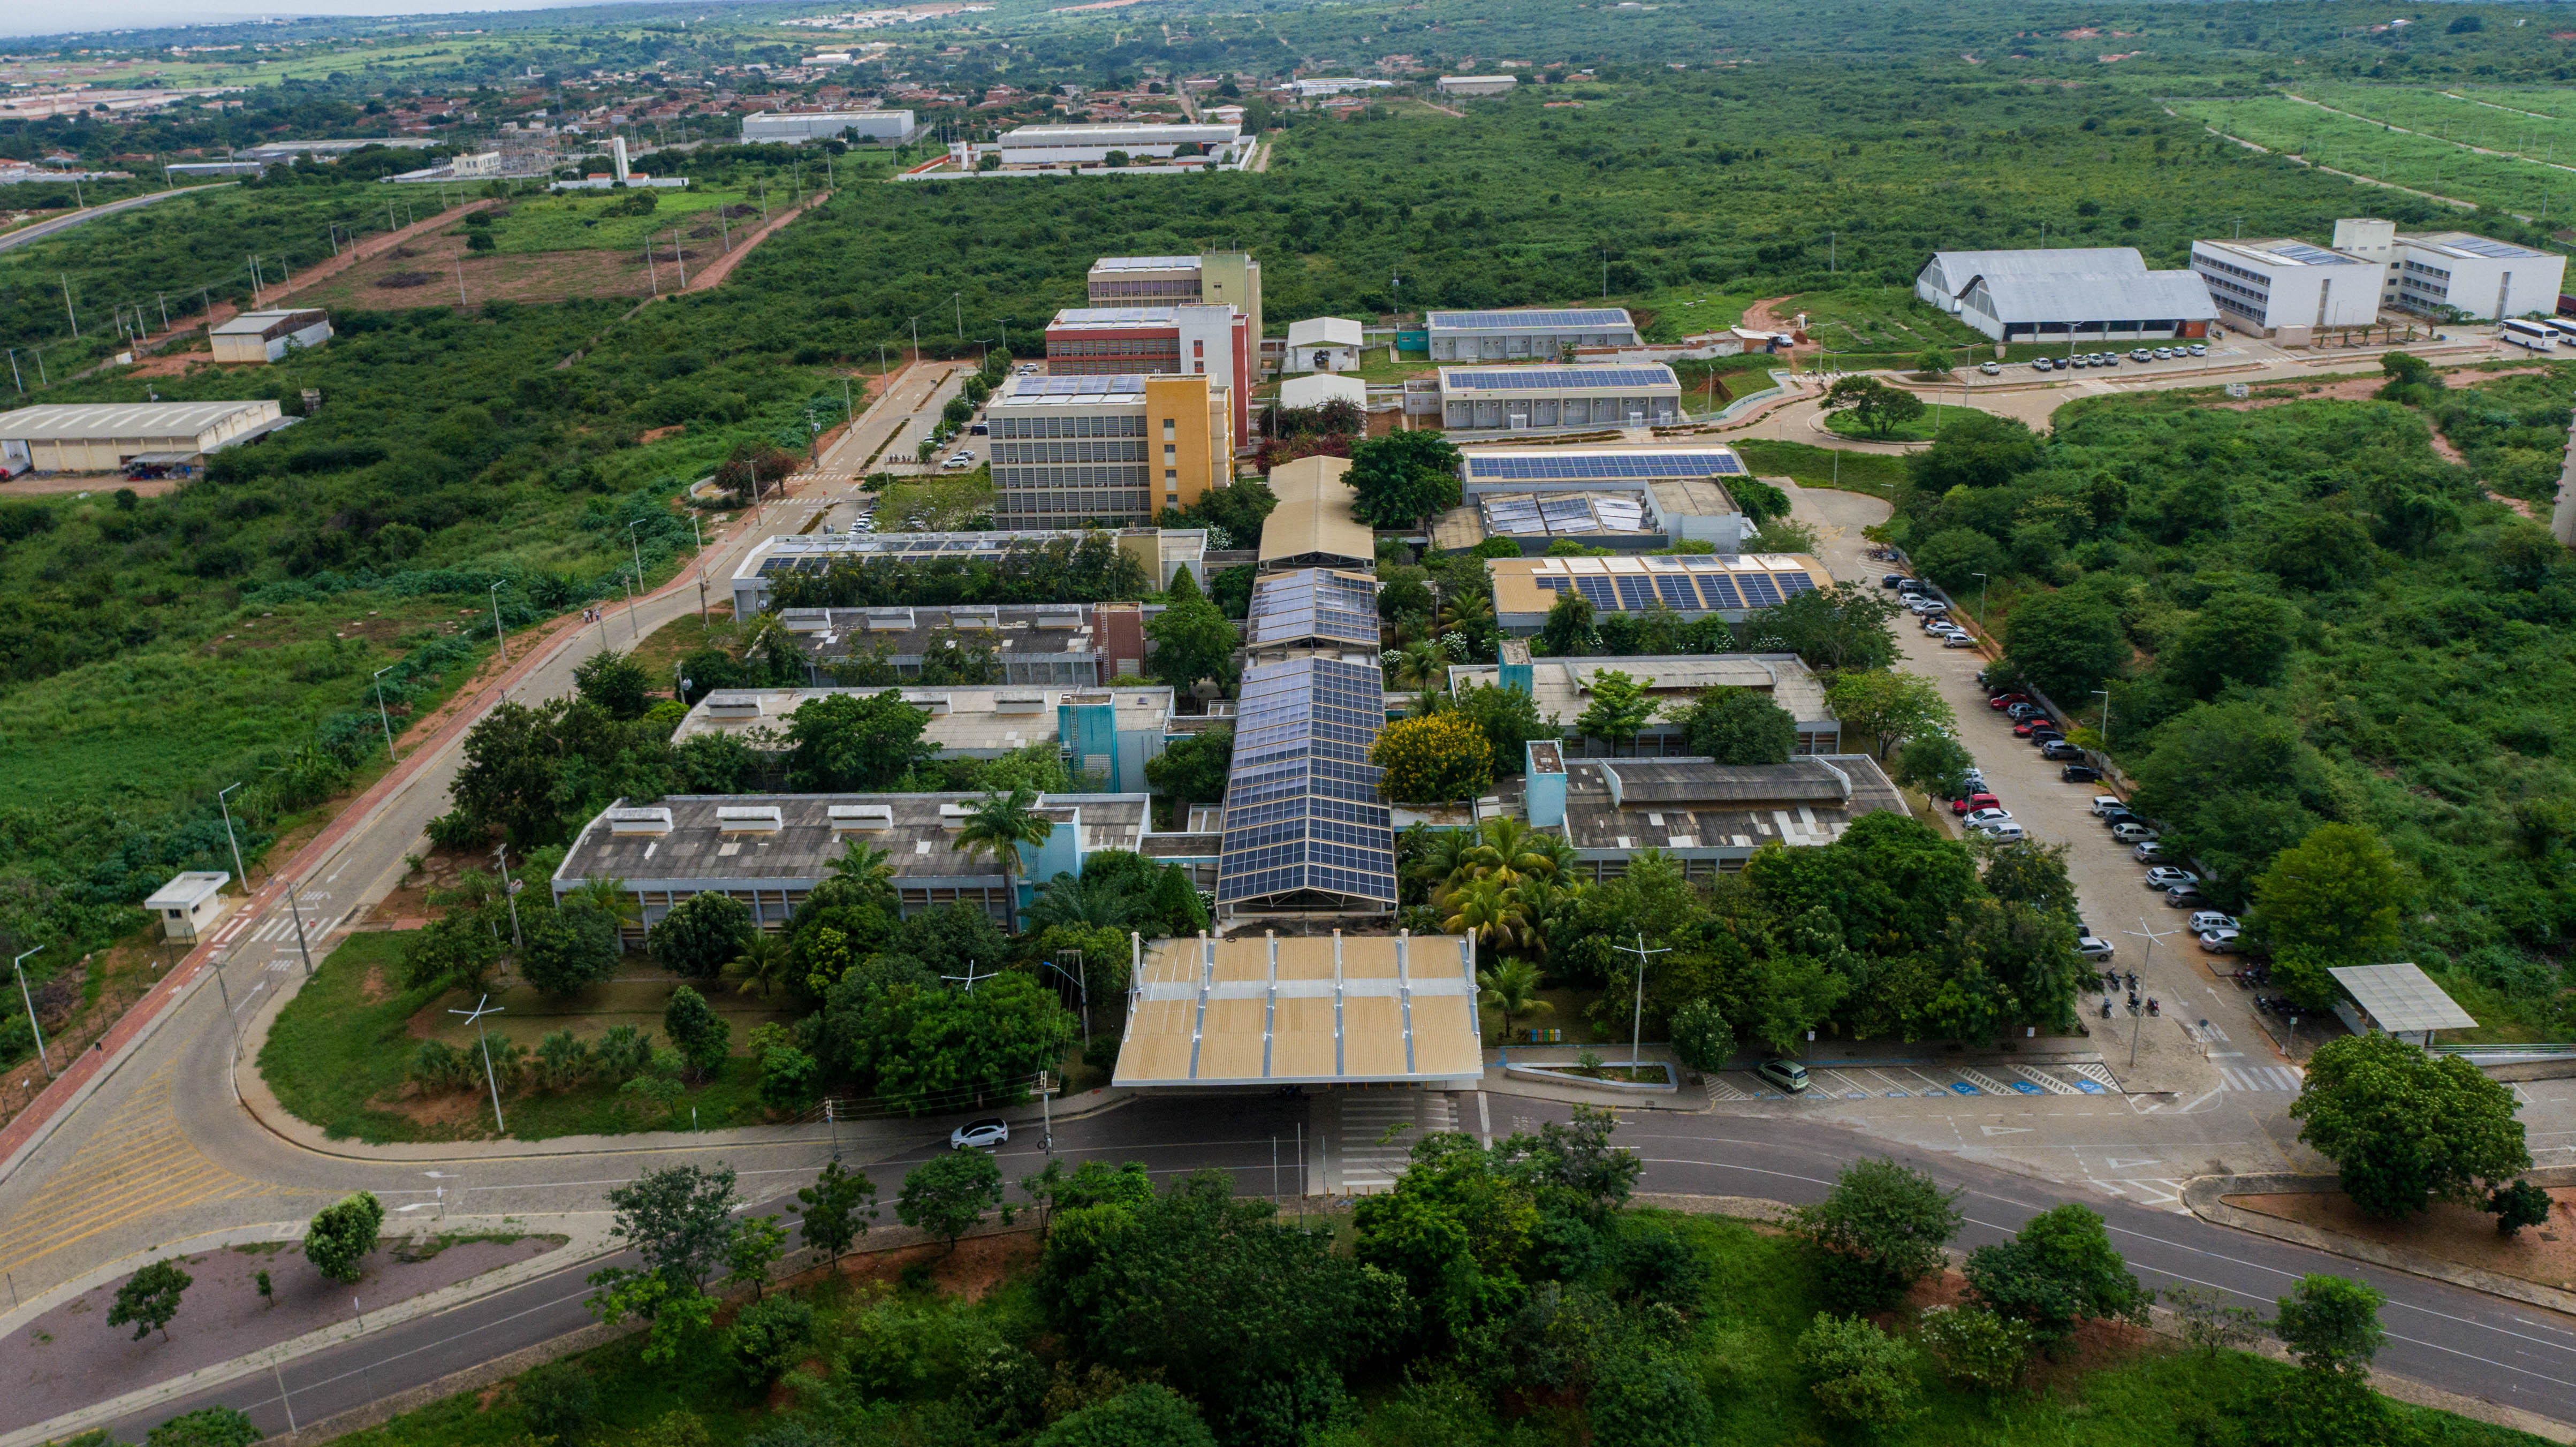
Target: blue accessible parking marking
(1963, 1087)
(2024, 1087)
(2088, 1087)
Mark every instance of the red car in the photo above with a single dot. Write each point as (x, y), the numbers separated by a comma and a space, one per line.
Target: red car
(2036, 721)
(2004, 701)
(1975, 802)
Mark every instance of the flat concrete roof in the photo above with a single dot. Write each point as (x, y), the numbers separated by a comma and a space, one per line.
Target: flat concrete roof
(1694, 805)
(1338, 1009)
(1562, 687)
(695, 842)
(973, 721)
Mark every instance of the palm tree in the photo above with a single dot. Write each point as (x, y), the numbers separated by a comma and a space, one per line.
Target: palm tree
(1486, 909)
(1512, 846)
(1512, 989)
(998, 827)
(1421, 665)
(1540, 897)
(762, 964)
(1091, 903)
(1444, 857)
(863, 862)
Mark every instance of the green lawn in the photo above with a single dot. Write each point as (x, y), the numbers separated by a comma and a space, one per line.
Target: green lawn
(1877, 474)
(2418, 162)
(588, 220)
(1921, 429)
(341, 1049)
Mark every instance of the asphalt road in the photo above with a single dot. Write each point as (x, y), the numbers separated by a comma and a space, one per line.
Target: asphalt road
(60, 224)
(2439, 1335)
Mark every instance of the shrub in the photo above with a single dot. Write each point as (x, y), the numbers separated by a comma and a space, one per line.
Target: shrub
(557, 1400)
(1433, 760)
(205, 1427)
(1976, 1347)
(1858, 1371)
(770, 1336)
(342, 1234)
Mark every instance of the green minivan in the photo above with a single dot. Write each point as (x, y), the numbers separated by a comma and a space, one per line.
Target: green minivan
(1788, 1075)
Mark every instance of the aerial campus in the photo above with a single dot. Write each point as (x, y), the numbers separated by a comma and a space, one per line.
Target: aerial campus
(1320, 724)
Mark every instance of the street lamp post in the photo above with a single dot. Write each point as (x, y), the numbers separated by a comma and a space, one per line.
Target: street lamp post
(2106, 718)
(502, 853)
(701, 540)
(295, 911)
(20, 965)
(1981, 602)
(239, 873)
(383, 717)
(1637, 1022)
(476, 1015)
(498, 637)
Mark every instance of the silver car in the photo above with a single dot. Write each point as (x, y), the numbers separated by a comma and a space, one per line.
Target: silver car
(2219, 941)
(2210, 919)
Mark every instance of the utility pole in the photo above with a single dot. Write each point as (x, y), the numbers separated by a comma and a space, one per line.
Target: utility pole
(383, 717)
(502, 853)
(702, 568)
(2106, 718)
(678, 259)
(20, 965)
(498, 636)
(476, 1015)
(1637, 1021)
(970, 977)
(635, 551)
(1981, 602)
(958, 299)
(240, 874)
(295, 911)
(67, 303)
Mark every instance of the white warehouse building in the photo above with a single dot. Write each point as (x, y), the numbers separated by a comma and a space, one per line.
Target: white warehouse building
(1524, 334)
(1065, 145)
(2101, 292)
(884, 128)
(2483, 279)
(1631, 395)
(2286, 282)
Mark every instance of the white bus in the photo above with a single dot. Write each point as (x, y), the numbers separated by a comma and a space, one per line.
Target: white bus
(2538, 336)
(2564, 327)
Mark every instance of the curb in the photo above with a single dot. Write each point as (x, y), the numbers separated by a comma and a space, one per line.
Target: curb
(2205, 1198)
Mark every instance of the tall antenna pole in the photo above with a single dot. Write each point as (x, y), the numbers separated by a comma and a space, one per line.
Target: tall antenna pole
(970, 977)
(1637, 1023)
(481, 1009)
(2150, 936)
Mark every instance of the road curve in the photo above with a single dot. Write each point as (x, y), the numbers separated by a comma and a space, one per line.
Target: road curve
(43, 229)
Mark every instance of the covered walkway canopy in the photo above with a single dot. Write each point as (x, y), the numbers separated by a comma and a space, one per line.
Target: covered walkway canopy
(1329, 1010)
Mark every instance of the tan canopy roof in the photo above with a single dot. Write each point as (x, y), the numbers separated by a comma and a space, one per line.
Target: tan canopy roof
(1313, 524)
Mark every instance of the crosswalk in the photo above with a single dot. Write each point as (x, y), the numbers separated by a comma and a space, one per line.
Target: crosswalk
(1902, 1082)
(1379, 1129)
(2280, 1079)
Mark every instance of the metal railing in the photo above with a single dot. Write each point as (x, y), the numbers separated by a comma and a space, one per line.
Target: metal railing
(2549, 1049)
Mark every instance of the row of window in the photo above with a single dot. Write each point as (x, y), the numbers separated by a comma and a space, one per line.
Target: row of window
(1078, 424)
(2417, 266)
(1106, 474)
(2262, 298)
(1064, 366)
(2205, 265)
(1165, 289)
(2152, 327)
(1114, 347)
(2437, 291)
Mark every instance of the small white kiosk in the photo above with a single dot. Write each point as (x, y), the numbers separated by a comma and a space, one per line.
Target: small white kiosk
(190, 904)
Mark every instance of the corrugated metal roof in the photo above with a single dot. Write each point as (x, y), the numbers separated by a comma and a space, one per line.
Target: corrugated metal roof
(1531, 320)
(1555, 379)
(1636, 782)
(1314, 513)
(1317, 388)
(1114, 134)
(255, 323)
(70, 421)
(1146, 263)
(2069, 296)
(1958, 268)
(2402, 998)
(1324, 331)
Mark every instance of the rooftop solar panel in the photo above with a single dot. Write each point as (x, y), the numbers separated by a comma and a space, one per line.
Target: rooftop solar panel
(1588, 466)
(2306, 255)
(1527, 379)
(1312, 603)
(1538, 320)
(1302, 814)
(1719, 590)
(2482, 246)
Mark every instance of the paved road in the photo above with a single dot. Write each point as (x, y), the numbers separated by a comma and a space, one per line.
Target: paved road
(2440, 1335)
(59, 224)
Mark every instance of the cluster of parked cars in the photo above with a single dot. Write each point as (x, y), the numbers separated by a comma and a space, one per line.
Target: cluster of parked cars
(2082, 360)
(1930, 611)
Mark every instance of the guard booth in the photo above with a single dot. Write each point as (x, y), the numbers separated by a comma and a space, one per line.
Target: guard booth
(189, 904)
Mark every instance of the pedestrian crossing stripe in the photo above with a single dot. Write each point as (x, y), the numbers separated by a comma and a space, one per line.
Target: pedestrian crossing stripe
(2279, 1079)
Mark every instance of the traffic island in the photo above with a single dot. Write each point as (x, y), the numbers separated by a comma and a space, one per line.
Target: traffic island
(2447, 1243)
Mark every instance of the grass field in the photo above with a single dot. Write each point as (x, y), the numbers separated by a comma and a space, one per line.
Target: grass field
(2417, 162)
(590, 221)
(339, 1053)
(2454, 120)
(1921, 429)
(1876, 474)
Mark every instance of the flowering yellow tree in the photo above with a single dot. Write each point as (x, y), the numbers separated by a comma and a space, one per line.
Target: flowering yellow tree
(1433, 760)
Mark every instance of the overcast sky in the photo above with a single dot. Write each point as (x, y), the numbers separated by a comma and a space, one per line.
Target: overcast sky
(95, 15)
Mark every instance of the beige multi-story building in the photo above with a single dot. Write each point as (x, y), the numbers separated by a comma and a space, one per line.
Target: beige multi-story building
(1223, 278)
(1113, 450)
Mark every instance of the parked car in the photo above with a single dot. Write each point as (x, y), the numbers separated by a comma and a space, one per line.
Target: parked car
(1974, 802)
(2040, 364)
(1988, 815)
(2079, 774)
(980, 1134)
(1787, 1075)
(980, 429)
(2199, 350)
(2003, 701)
(2164, 354)
(2060, 750)
(1990, 368)
(2002, 832)
(2183, 896)
(1891, 580)
(1910, 587)
(2148, 853)
(2166, 876)
(2093, 947)
(2035, 721)
(2220, 941)
(2210, 919)
(2132, 833)
(2140, 355)
(2107, 804)
(1957, 639)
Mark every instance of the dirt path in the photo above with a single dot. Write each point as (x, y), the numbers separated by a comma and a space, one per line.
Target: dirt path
(716, 271)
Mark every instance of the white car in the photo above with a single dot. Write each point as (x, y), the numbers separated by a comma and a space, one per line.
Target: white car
(2107, 804)
(2002, 832)
(2210, 919)
(980, 1134)
(1989, 816)
(1991, 369)
(2132, 833)
(2198, 350)
(2093, 947)
(2148, 853)
(1957, 639)
(2219, 941)
(2040, 364)
(2166, 876)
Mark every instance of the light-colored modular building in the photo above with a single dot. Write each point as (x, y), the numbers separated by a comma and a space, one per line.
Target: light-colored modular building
(1477, 85)
(265, 336)
(1476, 399)
(883, 128)
(1323, 344)
(1109, 733)
(2480, 278)
(1162, 553)
(1091, 144)
(1540, 333)
(2285, 282)
(107, 436)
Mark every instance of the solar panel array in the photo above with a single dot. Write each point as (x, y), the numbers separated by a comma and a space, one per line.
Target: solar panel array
(1301, 800)
(2306, 255)
(2481, 246)
(1590, 466)
(1562, 379)
(1078, 386)
(1523, 515)
(1704, 584)
(1529, 320)
(1312, 603)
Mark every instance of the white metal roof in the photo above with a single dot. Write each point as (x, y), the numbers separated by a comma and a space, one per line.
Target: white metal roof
(1958, 268)
(1020, 137)
(1324, 332)
(2401, 998)
(1538, 319)
(254, 323)
(2077, 297)
(72, 421)
(188, 890)
(1146, 263)
(2464, 245)
(2287, 251)
(1317, 388)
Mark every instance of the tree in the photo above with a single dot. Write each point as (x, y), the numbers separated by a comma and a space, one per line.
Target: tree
(1000, 826)
(761, 964)
(853, 743)
(2065, 643)
(1883, 1228)
(205, 1427)
(700, 934)
(149, 1298)
(461, 948)
(946, 1195)
(2334, 898)
(931, 1047)
(1955, 557)
(692, 1025)
(1978, 450)
(1567, 631)
(615, 682)
(1619, 708)
(1433, 760)
(1509, 718)
(1192, 768)
(1936, 764)
(2032, 873)
(1933, 362)
(836, 1209)
(2236, 637)
(1402, 478)
(786, 1077)
(1881, 408)
(2405, 1128)
(678, 1219)
(754, 1247)
(1760, 501)
(2331, 1324)
(1192, 639)
(342, 1234)
(569, 948)
(1891, 706)
(1836, 628)
(1148, 1414)
(1512, 989)
(557, 1399)
(769, 1337)
(2059, 1269)
(2518, 1205)
(1702, 1039)
(1977, 1347)
(2208, 1322)
(1735, 726)
(1858, 1372)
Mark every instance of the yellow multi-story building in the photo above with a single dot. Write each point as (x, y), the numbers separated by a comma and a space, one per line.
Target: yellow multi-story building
(1114, 450)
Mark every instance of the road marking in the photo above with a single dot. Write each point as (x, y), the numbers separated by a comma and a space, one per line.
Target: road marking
(1995, 1130)
(2278, 1079)
(2045, 1081)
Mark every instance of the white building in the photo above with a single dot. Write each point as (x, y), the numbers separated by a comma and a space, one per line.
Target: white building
(1475, 85)
(884, 128)
(1638, 395)
(1322, 344)
(1521, 334)
(268, 335)
(189, 904)
(1091, 144)
(2478, 278)
(106, 436)
(1317, 388)
(1324, 85)
(2285, 282)
(2103, 292)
